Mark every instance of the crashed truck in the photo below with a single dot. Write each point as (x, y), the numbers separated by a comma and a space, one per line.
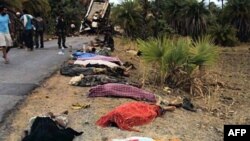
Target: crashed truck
(96, 19)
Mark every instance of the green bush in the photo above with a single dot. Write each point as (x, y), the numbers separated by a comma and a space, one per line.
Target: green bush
(224, 35)
(178, 58)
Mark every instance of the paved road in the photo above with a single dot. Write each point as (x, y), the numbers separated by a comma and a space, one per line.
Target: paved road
(28, 69)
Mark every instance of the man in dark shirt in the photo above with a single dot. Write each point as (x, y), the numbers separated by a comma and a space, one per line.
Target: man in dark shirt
(61, 31)
(40, 28)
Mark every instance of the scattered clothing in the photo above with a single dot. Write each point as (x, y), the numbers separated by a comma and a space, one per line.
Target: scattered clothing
(121, 90)
(93, 62)
(94, 80)
(45, 129)
(130, 114)
(188, 105)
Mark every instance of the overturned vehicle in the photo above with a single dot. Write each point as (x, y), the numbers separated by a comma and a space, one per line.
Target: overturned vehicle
(96, 18)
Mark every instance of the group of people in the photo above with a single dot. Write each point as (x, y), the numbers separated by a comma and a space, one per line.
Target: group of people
(28, 35)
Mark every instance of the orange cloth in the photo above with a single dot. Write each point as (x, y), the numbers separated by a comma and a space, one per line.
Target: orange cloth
(130, 114)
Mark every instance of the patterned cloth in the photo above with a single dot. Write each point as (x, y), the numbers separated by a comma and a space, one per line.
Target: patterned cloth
(75, 70)
(94, 80)
(121, 90)
(130, 114)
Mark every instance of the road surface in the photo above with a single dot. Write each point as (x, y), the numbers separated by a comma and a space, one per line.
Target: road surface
(27, 70)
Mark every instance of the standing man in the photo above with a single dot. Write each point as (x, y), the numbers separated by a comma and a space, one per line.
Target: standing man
(19, 31)
(40, 28)
(28, 30)
(61, 31)
(5, 38)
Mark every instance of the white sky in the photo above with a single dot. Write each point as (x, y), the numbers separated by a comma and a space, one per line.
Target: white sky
(119, 1)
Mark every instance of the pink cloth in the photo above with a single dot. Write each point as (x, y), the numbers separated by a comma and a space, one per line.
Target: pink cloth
(121, 90)
(104, 58)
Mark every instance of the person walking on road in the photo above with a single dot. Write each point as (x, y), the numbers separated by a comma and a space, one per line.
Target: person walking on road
(19, 31)
(5, 37)
(61, 31)
(28, 29)
(39, 30)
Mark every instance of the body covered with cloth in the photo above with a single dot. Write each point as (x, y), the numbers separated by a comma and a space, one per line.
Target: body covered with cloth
(131, 114)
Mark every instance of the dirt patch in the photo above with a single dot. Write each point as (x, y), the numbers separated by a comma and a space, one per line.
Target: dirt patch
(228, 104)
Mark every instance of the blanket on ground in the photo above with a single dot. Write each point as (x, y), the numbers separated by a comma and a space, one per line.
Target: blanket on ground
(94, 80)
(93, 62)
(76, 70)
(130, 114)
(101, 57)
(121, 90)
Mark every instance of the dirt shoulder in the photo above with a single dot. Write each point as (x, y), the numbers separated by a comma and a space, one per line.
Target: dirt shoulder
(229, 104)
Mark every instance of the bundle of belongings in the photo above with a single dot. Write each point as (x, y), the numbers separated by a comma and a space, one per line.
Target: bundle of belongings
(132, 114)
(49, 128)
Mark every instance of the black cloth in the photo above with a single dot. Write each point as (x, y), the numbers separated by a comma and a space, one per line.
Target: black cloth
(109, 41)
(45, 129)
(76, 70)
(61, 32)
(28, 38)
(39, 38)
(94, 80)
(61, 39)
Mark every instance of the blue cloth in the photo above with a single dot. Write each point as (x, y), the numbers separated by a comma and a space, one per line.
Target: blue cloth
(79, 54)
(4, 23)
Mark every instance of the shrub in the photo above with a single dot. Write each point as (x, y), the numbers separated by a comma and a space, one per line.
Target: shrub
(178, 58)
(224, 35)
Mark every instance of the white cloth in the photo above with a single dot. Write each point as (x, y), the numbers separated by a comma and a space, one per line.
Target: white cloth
(94, 24)
(25, 19)
(5, 40)
(93, 62)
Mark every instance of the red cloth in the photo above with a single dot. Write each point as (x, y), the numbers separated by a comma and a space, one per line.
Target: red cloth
(121, 90)
(130, 114)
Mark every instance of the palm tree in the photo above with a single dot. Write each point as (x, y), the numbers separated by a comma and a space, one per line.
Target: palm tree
(128, 16)
(237, 13)
(188, 17)
(222, 3)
